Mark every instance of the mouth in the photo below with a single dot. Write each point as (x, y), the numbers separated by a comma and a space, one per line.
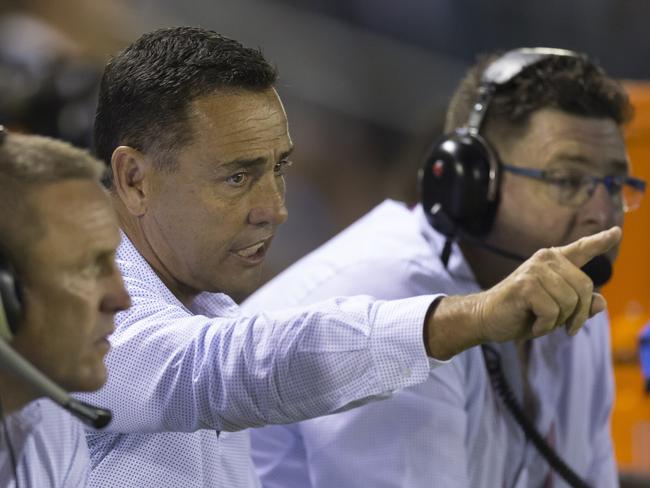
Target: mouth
(255, 253)
(103, 345)
(102, 339)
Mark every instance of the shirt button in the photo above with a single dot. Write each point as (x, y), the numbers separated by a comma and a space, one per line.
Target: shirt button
(405, 371)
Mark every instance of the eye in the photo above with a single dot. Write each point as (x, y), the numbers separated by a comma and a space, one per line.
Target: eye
(238, 179)
(574, 181)
(569, 181)
(102, 265)
(281, 167)
(91, 270)
(614, 183)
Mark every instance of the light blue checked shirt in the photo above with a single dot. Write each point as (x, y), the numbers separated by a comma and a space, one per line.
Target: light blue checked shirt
(451, 431)
(177, 376)
(49, 446)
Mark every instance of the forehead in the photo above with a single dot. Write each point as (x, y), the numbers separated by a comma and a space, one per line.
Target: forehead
(553, 135)
(237, 124)
(78, 219)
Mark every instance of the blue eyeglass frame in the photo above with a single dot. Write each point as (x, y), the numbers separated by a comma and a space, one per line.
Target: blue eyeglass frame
(609, 181)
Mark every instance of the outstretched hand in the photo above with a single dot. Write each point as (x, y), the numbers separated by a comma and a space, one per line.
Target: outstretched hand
(547, 291)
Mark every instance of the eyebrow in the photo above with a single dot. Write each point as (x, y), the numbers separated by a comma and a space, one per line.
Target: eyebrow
(91, 255)
(249, 163)
(615, 165)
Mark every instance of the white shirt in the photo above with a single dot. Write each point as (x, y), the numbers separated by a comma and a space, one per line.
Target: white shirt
(178, 376)
(49, 447)
(453, 430)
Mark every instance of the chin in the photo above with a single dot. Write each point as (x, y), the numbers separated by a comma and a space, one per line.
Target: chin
(240, 292)
(243, 285)
(87, 379)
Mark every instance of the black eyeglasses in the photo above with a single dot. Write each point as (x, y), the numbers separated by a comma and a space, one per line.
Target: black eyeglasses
(575, 188)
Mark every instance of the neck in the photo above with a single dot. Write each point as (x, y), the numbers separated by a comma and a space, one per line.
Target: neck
(14, 394)
(488, 268)
(132, 226)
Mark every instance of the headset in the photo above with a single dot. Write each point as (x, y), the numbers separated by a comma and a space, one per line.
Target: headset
(11, 313)
(461, 176)
(10, 299)
(10, 294)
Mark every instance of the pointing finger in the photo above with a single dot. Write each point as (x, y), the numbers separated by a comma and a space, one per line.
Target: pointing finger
(583, 250)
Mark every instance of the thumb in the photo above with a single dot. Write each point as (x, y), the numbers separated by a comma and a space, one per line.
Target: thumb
(598, 304)
(583, 250)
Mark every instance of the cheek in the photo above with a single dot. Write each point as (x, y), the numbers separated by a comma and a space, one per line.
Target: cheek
(220, 221)
(57, 308)
(202, 211)
(78, 289)
(527, 215)
(59, 327)
(618, 218)
(78, 308)
(179, 207)
(282, 187)
(193, 230)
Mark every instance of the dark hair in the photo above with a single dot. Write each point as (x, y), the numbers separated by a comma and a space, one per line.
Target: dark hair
(575, 85)
(147, 88)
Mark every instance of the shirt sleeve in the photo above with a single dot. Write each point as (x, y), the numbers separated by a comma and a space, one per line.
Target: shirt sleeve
(299, 287)
(173, 371)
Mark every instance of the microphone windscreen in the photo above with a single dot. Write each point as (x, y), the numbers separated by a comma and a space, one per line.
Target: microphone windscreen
(599, 269)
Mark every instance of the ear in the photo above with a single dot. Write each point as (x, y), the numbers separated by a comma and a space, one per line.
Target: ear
(132, 172)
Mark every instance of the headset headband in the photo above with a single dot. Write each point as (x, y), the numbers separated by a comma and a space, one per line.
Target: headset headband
(501, 71)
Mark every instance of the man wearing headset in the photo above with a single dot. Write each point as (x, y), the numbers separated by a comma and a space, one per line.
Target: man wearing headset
(60, 289)
(534, 158)
(198, 143)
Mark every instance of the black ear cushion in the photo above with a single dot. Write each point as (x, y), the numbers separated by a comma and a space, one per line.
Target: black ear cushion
(10, 293)
(456, 182)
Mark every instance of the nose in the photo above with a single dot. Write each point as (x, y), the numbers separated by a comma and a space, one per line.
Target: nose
(269, 204)
(603, 208)
(116, 297)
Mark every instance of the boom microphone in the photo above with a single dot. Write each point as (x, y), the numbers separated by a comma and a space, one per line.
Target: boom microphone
(599, 268)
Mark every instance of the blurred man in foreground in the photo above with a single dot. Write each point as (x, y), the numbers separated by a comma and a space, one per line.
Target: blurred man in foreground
(58, 235)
